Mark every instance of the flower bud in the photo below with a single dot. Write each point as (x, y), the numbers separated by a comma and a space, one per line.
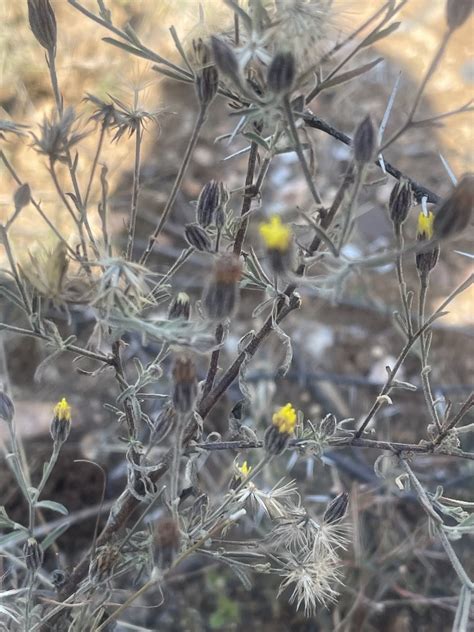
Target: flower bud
(401, 199)
(457, 12)
(275, 442)
(221, 295)
(208, 202)
(43, 23)
(427, 257)
(277, 436)
(33, 554)
(364, 142)
(197, 237)
(281, 73)
(454, 214)
(180, 307)
(278, 241)
(61, 423)
(185, 387)
(7, 409)
(22, 196)
(336, 510)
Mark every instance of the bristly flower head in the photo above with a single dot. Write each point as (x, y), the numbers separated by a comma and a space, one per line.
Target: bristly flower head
(244, 470)
(57, 136)
(277, 435)
(131, 118)
(275, 234)
(427, 258)
(313, 581)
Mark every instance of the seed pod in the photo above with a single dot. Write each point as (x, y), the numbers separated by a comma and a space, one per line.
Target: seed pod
(427, 257)
(33, 554)
(22, 196)
(180, 307)
(221, 296)
(336, 510)
(207, 83)
(225, 59)
(364, 142)
(202, 53)
(457, 12)
(43, 23)
(61, 423)
(185, 387)
(197, 237)
(7, 409)
(208, 203)
(281, 73)
(401, 200)
(454, 214)
(275, 442)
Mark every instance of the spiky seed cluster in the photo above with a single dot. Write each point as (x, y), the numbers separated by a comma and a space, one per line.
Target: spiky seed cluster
(454, 214)
(427, 257)
(281, 73)
(180, 307)
(197, 237)
(365, 140)
(277, 238)
(61, 422)
(457, 12)
(34, 554)
(7, 409)
(278, 434)
(401, 200)
(43, 23)
(220, 298)
(185, 386)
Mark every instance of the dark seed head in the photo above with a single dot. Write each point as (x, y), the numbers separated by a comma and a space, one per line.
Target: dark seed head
(197, 237)
(22, 196)
(336, 509)
(401, 200)
(364, 142)
(185, 387)
(7, 409)
(225, 59)
(209, 202)
(43, 23)
(180, 307)
(274, 441)
(33, 554)
(281, 73)
(454, 214)
(457, 12)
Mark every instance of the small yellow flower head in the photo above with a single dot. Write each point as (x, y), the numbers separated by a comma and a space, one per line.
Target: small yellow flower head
(277, 236)
(62, 410)
(425, 226)
(285, 419)
(244, 470)
(61, 423)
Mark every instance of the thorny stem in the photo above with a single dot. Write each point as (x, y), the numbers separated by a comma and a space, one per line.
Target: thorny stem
(378, 403)
(401, 279)
(452, 423)
(249, 194)
(425, 368)
(214, 363)
(95, 162)
(135, 194)
(438, 522)
(429, 73)
(200, 120)
(156, 580)
(299, 150)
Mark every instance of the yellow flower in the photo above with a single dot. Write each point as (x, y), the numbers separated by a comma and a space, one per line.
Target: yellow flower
(285, 419)
(425, 226)
(62, 410)
(277, 236)
(244, 469)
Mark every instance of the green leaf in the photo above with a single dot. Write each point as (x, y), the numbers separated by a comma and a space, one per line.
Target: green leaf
(54, 535)
(255, 138)
(349, 75)
(53, 506)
